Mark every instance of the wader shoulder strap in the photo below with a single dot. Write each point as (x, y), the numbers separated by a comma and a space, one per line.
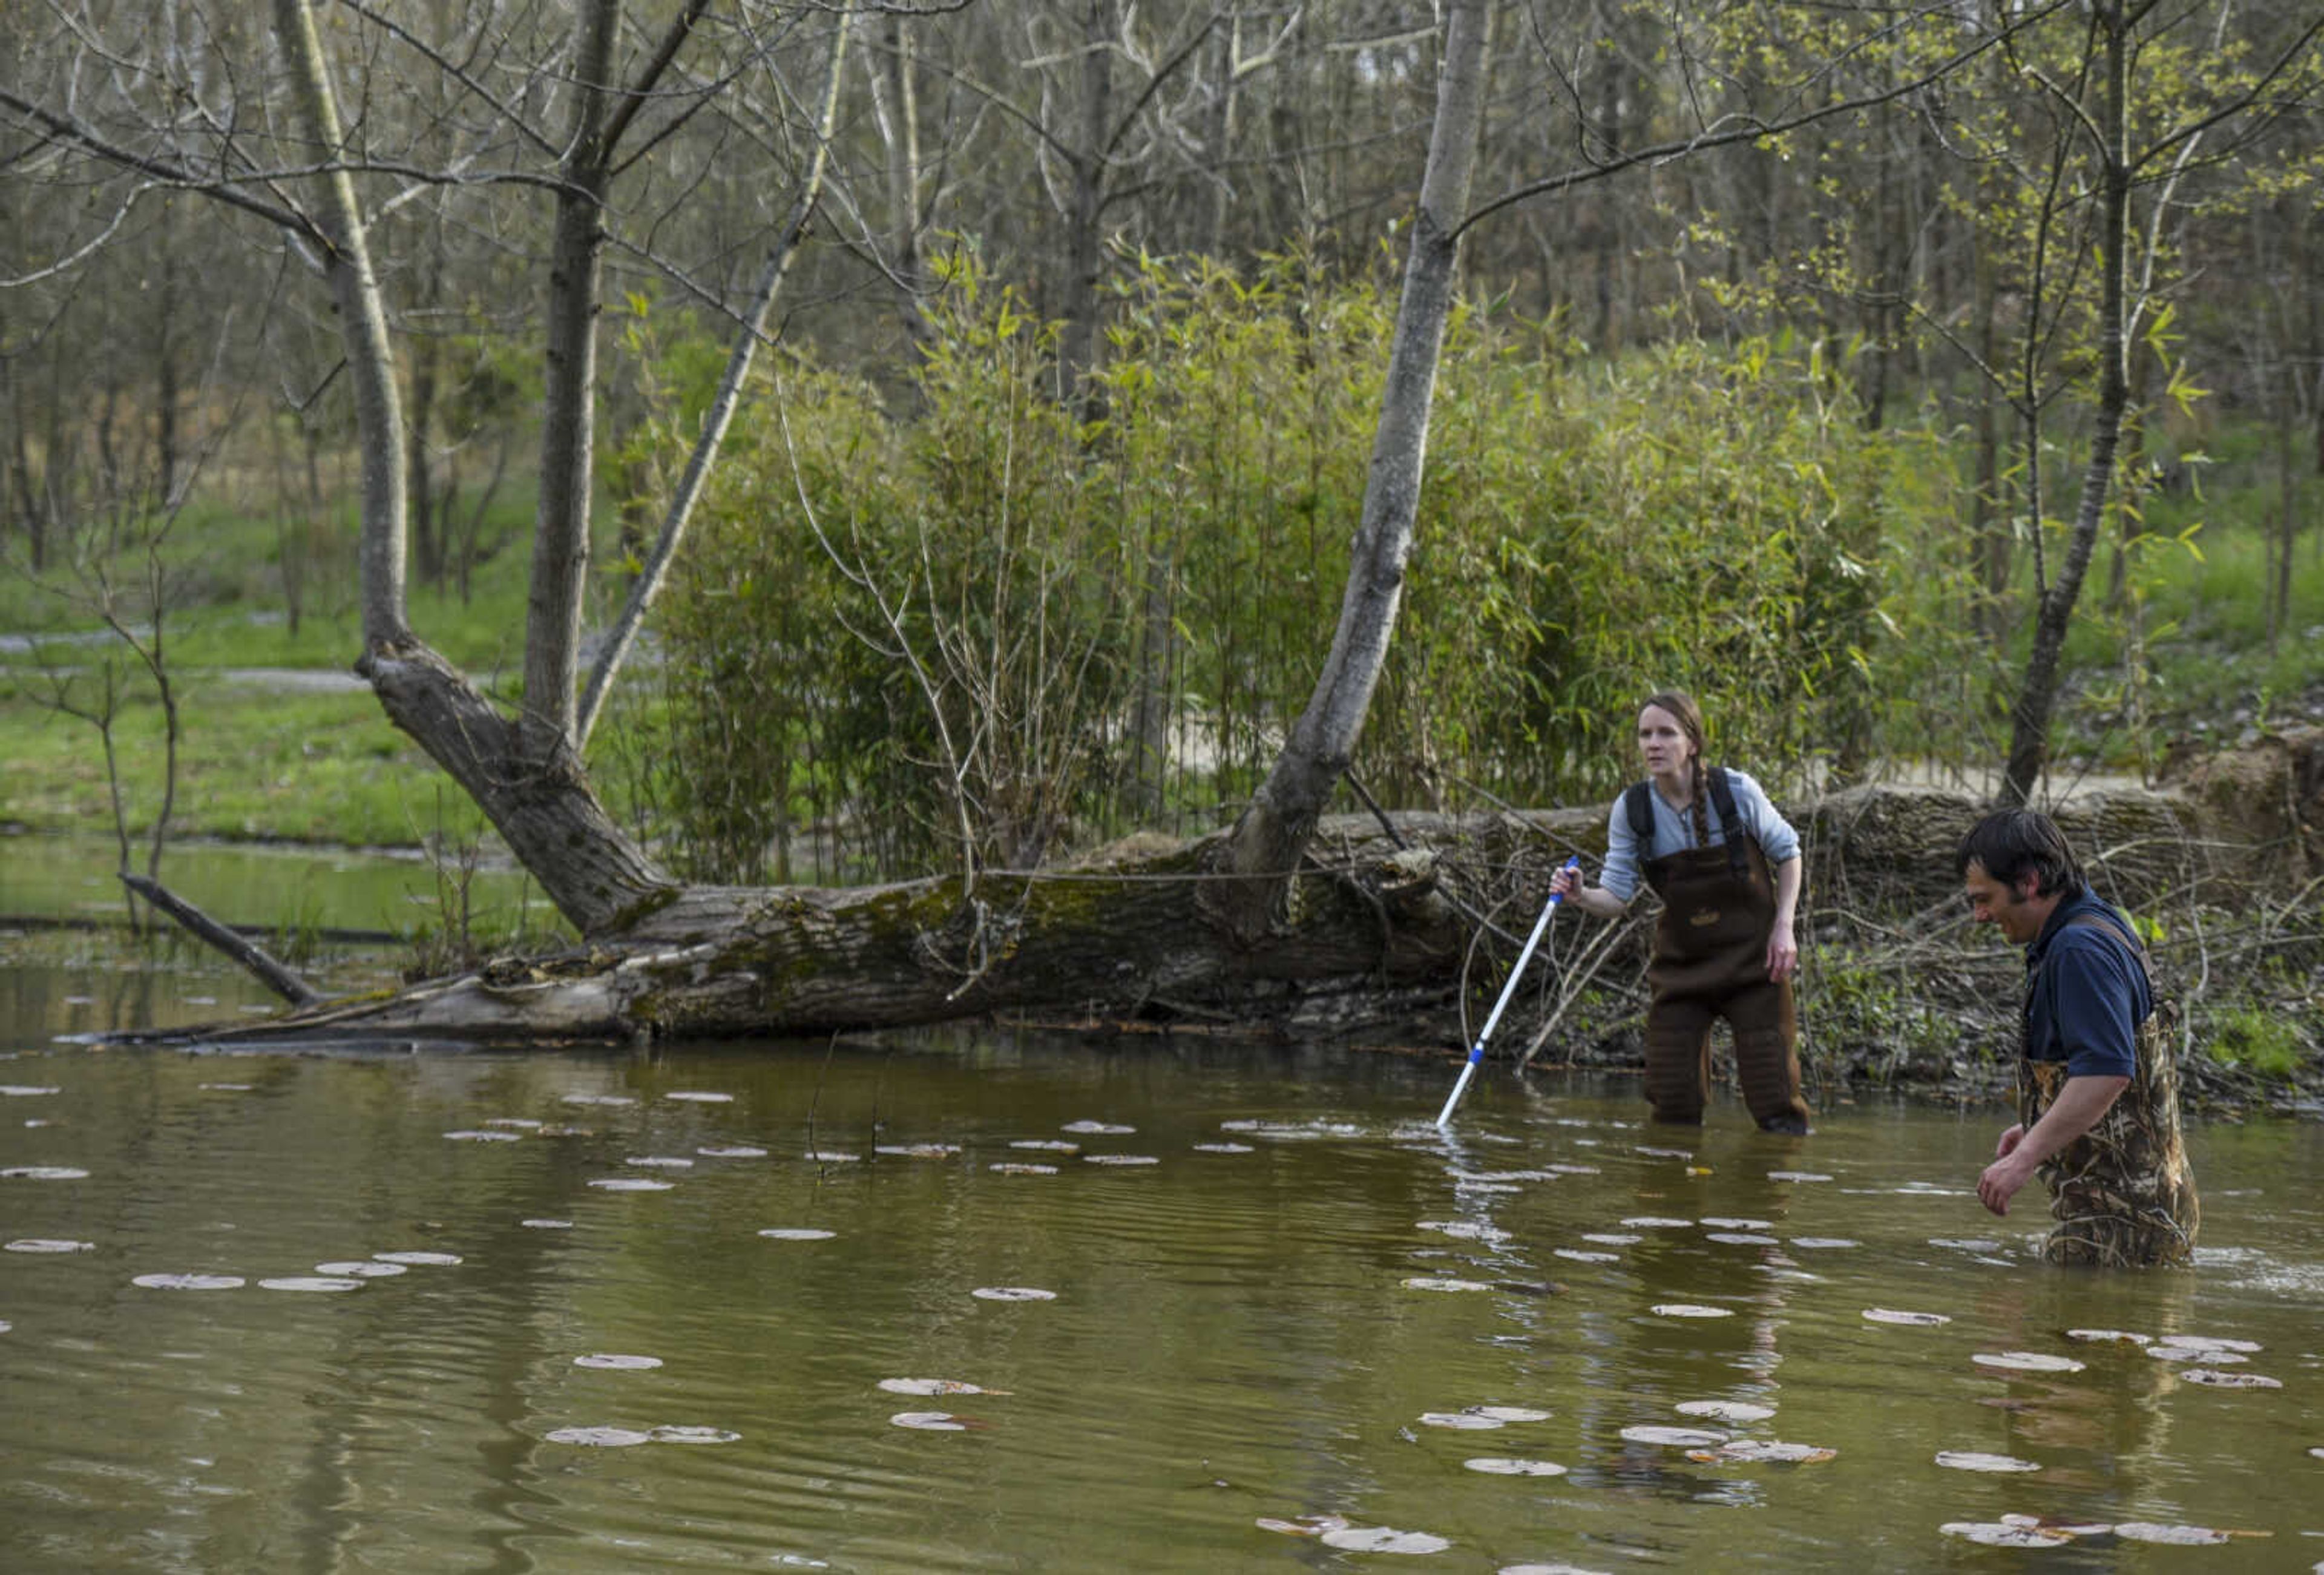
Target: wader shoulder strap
(2128, 940)
(1641, 815)
(1640, 812)
(1723, 799)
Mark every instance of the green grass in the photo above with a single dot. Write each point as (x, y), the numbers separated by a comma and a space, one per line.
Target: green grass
(318, 768)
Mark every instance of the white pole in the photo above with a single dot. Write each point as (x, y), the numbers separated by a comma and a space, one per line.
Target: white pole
(1477, 1051)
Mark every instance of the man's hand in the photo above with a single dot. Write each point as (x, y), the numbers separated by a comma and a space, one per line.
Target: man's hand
(1782, 953)
(2003, 1176)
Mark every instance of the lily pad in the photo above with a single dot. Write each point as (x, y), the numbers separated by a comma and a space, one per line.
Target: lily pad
(1224, 1148)
(1469, 1421)
(1612, 1237)
(43, 1173)
(1797, 1175)
(361, 1268)
(731, 1151)
(47, 1244)
(796, 1233)
(546, 1224)
(2219, 1380)
(918, 1151)
(924, 1386)
(1676, 1438)
(1665, 1153)
(1763, 1451)
(1464, 1230)
(631, 1183)
(1688, 1310)
(1013, 1294)
(683, 1434)
(421, 1259)
(1442, 1283)
(1046, 1146)
(2104, 1336)
(1657, 1222)
(519, 1123)
(2000, 1533)
(1739, 1239)
(1005, 1167)
(1510, 1412)
(660, 1161)
(312, 1283)
(1315, 1128)
(2209, 1343)
(1824, 1243)
(482, 1134)
(1502, 1465)
(2026, 1361)
(1916, 1319)
(700, 1096)
(25, 1090)
(1305, 1525)
(1380, 1539)
(1728, 1222)
(1976, 1460)
(935, 1421)
(1966, 1243)
(2184, 1536)
(1578, 1256)
(1123, 1160)
(1725, 1410)
(832, 1156)
(614, 1361)
(190, 1282)
(1105, 1128)
(599, 1438)
(597, 1098)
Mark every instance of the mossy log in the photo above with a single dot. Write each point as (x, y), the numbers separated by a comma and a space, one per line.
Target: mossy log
(1385, 915)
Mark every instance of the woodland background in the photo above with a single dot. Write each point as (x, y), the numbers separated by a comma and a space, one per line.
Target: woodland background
(1052, 339)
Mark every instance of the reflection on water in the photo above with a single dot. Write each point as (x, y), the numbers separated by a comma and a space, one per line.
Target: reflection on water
(638, 1326)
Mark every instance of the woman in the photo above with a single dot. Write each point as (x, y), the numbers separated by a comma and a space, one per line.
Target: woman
(1726, 866)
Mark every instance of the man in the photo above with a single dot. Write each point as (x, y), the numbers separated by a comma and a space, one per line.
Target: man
(2098, 1078)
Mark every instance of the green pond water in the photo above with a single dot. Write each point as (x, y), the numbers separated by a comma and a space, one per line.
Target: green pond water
(640, 1325)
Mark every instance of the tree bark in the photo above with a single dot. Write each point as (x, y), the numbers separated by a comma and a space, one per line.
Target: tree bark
(1271, 835)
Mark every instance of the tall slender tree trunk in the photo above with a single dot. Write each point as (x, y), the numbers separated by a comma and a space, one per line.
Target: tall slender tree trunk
(2030, 717)
(1084, 243)
(1271, 836)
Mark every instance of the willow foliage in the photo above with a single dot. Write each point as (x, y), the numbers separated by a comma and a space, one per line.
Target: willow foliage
(986, 625)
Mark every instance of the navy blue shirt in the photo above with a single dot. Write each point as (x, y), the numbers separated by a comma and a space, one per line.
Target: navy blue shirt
(2086, 992)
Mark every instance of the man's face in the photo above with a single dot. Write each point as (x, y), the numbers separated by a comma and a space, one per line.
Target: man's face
(2009, 910)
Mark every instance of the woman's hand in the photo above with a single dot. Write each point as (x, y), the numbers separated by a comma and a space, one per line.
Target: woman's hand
(1782, 953)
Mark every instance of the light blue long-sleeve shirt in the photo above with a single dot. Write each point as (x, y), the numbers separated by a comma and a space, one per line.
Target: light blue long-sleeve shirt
(1674, 829)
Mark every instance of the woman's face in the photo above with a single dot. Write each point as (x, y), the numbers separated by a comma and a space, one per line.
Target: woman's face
(1663, 743)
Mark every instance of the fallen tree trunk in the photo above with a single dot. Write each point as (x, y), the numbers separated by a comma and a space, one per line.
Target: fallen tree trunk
(1384, 919)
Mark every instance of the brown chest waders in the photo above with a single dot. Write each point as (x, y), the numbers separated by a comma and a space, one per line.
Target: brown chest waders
(1710, 961)
(2123, 1194)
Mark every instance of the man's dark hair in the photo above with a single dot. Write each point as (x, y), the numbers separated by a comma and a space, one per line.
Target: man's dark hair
(2013, 843)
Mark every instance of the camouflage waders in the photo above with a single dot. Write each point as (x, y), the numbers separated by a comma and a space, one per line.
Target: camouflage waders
(2122, 1194)
(1710, 961)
